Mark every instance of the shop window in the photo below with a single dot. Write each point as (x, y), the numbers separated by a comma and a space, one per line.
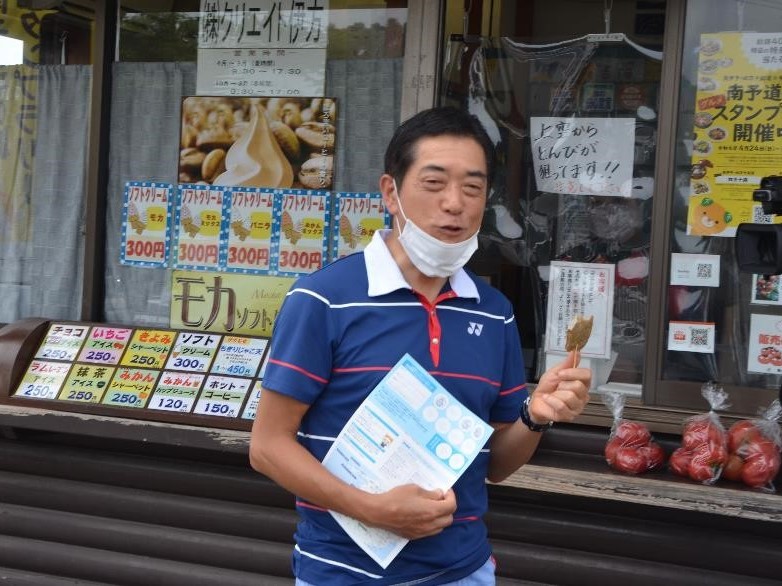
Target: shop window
(162, 61)
(722, 323)
(574, 118)
(44, 101)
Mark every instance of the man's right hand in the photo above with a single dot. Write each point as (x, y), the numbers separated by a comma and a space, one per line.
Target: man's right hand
(411, 511)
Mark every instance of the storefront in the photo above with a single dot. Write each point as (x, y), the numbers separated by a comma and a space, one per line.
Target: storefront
(169, 168)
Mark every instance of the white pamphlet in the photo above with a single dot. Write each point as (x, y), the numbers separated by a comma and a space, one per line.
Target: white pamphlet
(408, 430)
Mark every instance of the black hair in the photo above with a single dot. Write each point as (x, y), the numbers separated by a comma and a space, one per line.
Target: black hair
(441, 121)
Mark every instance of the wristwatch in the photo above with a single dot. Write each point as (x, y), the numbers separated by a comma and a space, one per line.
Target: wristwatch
(526, 420)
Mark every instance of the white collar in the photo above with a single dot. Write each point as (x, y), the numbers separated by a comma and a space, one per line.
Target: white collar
(384, 275)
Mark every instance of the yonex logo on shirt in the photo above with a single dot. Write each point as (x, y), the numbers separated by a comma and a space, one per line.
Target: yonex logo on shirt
(474, 328)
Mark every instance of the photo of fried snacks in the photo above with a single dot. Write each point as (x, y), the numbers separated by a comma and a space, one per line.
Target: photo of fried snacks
(578, 333)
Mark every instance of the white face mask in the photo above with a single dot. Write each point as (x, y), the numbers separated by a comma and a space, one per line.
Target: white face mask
(433, 257)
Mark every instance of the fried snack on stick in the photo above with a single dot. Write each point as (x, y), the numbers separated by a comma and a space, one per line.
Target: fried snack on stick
(578, 334)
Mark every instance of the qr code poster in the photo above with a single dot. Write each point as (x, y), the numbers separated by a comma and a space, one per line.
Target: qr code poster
(684, 336)
(765, 344)
(695, 270)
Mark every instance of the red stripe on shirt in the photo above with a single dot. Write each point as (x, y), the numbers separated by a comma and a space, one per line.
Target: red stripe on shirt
(362, 369)
(298, 369)
(513, 390)
(460, 375)
(471, 518)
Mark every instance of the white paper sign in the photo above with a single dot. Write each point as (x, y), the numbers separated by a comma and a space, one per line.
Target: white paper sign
(408, 430)
(261, 72)
(580, 289)
(583, 156)
(765, 344)
(699, 270)
(263, 23)
(686, 336)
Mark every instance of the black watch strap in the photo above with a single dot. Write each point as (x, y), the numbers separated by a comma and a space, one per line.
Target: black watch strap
(526, 420)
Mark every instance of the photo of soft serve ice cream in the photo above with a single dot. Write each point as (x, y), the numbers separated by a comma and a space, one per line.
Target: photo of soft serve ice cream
(258, 142)
(256, 159)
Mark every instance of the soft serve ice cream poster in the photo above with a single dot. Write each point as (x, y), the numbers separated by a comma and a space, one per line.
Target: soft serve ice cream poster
(268, 142)
(250, 227)
(146, 224)
(303, 218)
(200, 214)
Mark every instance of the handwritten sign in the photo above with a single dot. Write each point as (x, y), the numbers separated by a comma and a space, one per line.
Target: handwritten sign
(583, 156)
(251, 222)
(199, 221)
(303, 239)
(146, 224)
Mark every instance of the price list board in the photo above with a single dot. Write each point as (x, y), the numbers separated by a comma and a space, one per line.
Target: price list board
(147, 370)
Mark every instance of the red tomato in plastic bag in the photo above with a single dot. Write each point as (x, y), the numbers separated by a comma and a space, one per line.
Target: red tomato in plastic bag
(762, 446)
(742, 432)
(701, 431)
(760, 469)
(612, 446)
(707, 462)
(679, 461)
(732, 470)
(654, 455)
(632, 433)
(630, 460)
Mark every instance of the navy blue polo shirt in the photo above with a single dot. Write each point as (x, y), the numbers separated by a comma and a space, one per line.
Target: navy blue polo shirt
(339, 331)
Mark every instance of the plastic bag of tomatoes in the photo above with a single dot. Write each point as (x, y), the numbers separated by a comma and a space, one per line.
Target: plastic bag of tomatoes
(630, 448)
(704, 450)
(754, 449)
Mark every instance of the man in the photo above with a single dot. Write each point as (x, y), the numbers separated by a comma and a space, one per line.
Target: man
(341, 330)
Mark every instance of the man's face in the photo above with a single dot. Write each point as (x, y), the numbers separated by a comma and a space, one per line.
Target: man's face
(444, 190)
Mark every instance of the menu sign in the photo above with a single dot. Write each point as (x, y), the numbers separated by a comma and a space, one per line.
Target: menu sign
(251, 407)
(239, 356)
(105, 345)
(176, 391)
(86, 383)
(131, 387)
(43, 379)
(193, 351)
(222, 396)
(148, 348)
(62, 342)
(161, 370)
